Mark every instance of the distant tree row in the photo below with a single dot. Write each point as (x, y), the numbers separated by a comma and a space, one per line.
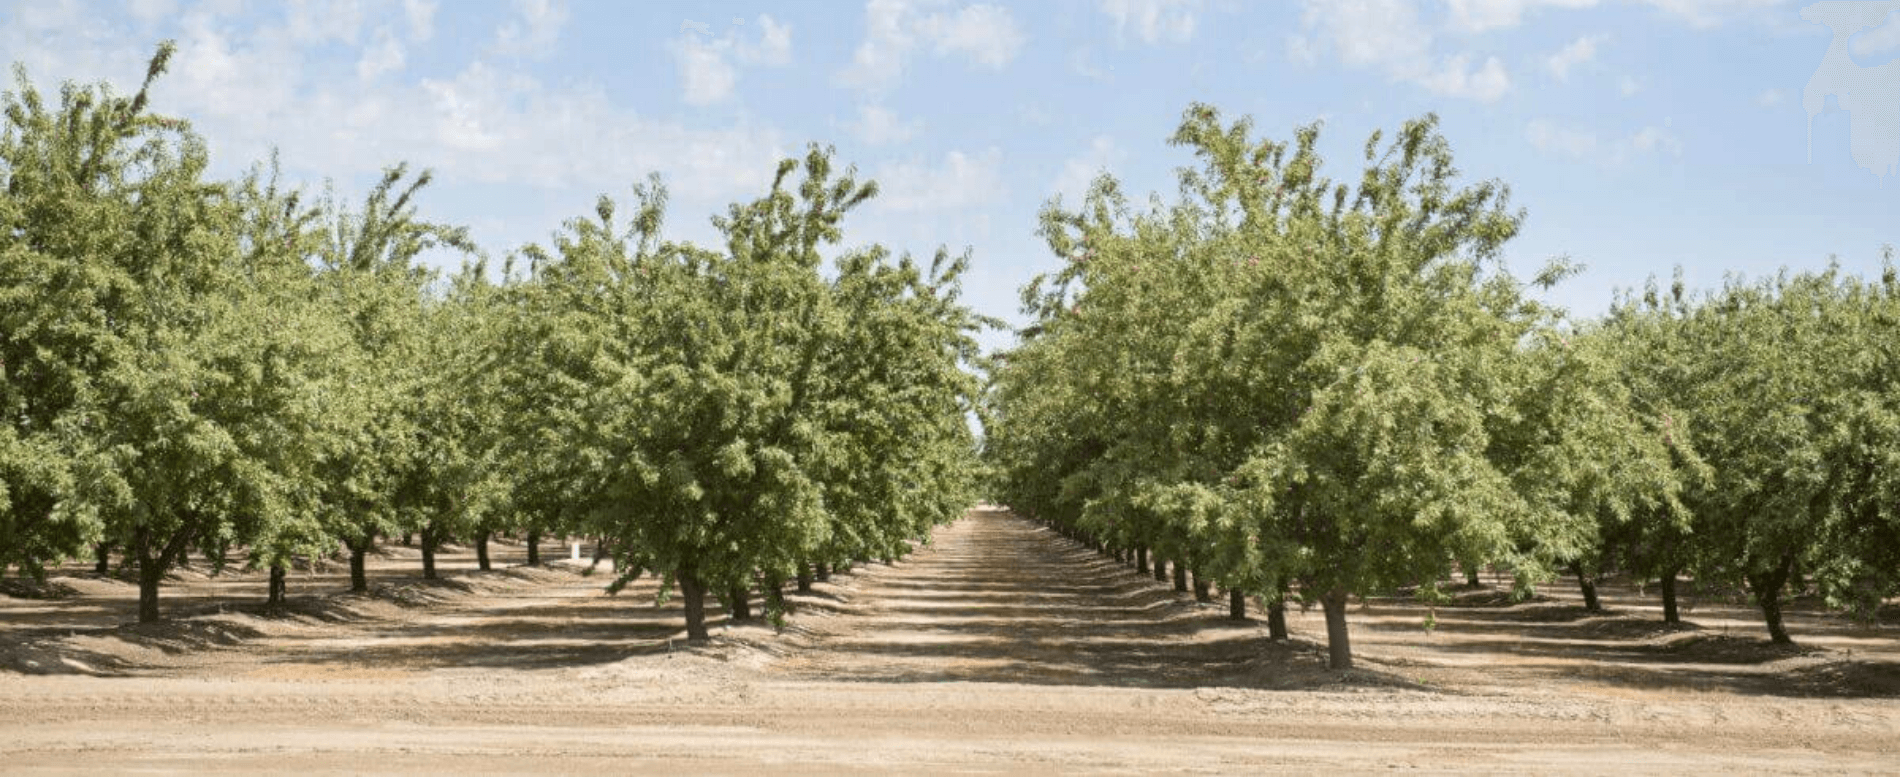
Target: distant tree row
(1312, 390)
(187, 362)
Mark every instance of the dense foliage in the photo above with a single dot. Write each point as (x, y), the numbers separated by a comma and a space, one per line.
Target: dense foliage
(1316, 390)
(1299, 388)
(201, 364)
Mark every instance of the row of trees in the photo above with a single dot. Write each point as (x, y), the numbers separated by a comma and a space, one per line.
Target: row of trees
(1314, 390)
(191, 362)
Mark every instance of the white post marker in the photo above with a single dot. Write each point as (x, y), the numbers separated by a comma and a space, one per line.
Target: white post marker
(577, 553)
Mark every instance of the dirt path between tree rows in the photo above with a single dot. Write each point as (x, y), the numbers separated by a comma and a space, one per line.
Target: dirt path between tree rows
(997, 648)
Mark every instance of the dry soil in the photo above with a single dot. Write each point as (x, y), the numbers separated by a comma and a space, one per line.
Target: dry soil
(999, 647)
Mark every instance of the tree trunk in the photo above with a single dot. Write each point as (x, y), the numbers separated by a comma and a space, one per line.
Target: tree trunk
(408, 539)
(534, 547)
(822, 571)
(738, 607)
(104, 556)
(1180, 578)
(277, 585)
(430, 540)
(1670, 614)
(1161, 568)
(1276, 612)
(481, 551)
(1141, 561)
(600, 549)
(150, 575)
(1338, 643)
(1203, 589)
(359, 579)
(1471, 577)
(804, 578)
(1767, 587)
(1276, 620)
(693, 595)
(1236, 604)
(1589, 586)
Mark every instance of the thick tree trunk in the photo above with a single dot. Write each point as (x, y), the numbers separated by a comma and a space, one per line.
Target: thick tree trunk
(1767, 587)
(1161, 569)
(822, 571)
(103, 554)
(1203, 589)
(359, 579)
(738, 606)
(1670, 613)
(1589, 587)
(1121, 555)
(150, 575)
(534, 547)
(1338, 642)
(408, 539)
(1276, 620)
(1141, 561)
(481, 551)
(693, 596)
(1236, 604)
(430, 541)
(277, 585)
(1180, 577)
(804, 578)
(1471, 576)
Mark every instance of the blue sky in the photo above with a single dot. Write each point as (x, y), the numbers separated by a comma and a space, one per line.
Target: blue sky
(1639, 135)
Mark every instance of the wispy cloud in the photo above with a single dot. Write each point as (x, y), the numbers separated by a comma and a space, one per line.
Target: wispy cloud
(895, 30)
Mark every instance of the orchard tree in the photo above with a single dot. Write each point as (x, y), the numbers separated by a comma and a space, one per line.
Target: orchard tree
(189, 403)
(370, 275)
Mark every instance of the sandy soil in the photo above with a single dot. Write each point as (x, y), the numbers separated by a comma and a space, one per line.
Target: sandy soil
(998, 648)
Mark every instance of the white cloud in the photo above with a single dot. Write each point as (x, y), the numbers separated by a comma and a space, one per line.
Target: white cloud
(1483, 15)
(878, 126)
(960, 181)
(707, 66)
(775, 42)
(1153, 20)
(1389, 36)
(421, 17)
(1073, 182)
(1709, 13)
(149, 11)
(1770, 98)
(535, 32)
(1628, 86)
(1546, 135)
(705, 75)
(1485, 83)
(987, 34)
(894, 29)
(1580, 51)
(322, 21)
(1583, 144)
(1656, 139)
(383, 56)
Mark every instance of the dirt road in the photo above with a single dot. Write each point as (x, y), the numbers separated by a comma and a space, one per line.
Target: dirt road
(998, 648)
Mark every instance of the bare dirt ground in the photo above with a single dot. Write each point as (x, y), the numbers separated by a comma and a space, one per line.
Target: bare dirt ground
(998, 648)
